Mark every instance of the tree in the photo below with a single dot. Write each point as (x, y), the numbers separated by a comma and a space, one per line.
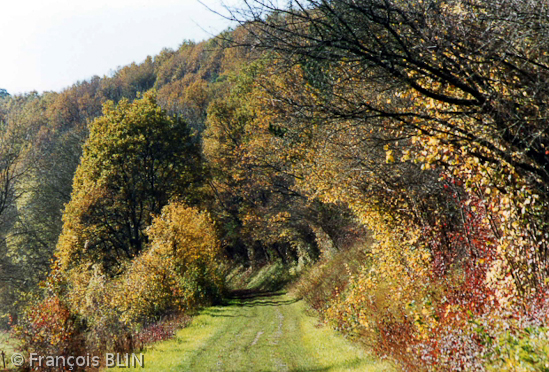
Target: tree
(18, 156)
(135, 160)
(461, 86)
(263, 214)
(485, 61)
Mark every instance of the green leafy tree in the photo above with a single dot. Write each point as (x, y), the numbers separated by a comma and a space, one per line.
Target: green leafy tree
(136, 159)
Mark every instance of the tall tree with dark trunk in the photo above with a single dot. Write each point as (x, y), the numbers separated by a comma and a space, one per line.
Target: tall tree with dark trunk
(136, 159)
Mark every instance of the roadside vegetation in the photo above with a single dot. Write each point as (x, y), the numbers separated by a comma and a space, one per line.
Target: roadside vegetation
(388, 158)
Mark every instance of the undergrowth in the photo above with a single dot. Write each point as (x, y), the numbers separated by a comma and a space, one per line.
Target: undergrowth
(438, 328)
(268, 277)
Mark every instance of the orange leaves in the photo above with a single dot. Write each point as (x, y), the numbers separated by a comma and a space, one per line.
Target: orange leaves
(49, 328)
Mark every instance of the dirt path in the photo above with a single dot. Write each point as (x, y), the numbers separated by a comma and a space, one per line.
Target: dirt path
(259, 332)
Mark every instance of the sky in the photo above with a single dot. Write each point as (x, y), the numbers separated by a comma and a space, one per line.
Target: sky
(48, 45)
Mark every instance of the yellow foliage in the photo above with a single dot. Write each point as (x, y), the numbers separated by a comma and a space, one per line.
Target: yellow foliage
(179, 271)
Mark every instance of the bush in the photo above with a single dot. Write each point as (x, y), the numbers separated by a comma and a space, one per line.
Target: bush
(94, 312)
(49, 327)
(180, 270)
(322, 282)
(526, 350)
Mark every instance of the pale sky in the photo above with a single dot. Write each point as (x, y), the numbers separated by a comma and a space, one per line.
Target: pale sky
(48, 45)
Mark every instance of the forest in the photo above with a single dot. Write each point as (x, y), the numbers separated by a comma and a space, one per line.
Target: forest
(391, 155)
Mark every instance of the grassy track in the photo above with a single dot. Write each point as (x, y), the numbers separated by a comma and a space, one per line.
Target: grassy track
(258, 332)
